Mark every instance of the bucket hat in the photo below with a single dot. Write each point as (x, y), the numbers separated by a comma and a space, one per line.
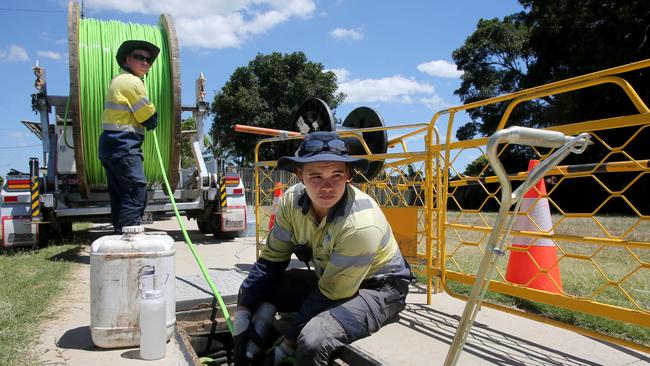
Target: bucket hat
(128, 46)
(321, 146)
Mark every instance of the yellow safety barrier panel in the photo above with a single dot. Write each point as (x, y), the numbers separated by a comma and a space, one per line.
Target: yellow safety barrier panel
(442, 200)
(601, 234)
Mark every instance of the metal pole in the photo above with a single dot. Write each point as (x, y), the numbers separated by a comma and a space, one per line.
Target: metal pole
(39, 103)
(35, 190)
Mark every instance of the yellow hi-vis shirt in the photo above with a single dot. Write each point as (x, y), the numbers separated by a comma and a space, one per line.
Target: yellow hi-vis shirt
(352, 244)
(126, 105)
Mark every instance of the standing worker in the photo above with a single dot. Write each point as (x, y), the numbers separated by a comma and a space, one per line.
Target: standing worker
(359, 280)
(127, 112)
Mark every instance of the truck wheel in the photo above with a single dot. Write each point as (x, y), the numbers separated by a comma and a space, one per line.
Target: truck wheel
(203, 226)
(44, 232)
(66, 229)
(220, 234)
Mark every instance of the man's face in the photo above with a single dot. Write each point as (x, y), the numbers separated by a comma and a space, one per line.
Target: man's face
(139, 62)
(325, 184)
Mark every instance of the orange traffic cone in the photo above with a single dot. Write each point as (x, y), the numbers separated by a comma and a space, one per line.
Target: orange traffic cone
(277, 193)
(538, 260)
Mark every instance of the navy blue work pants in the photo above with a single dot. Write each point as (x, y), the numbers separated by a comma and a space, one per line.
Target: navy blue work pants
(355, 318)
(128, 190)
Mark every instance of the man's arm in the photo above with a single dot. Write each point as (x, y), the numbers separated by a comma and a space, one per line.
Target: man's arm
(268, 269)
(261, 279)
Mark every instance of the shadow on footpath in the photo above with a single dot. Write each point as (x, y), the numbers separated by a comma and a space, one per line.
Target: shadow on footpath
(494, 346)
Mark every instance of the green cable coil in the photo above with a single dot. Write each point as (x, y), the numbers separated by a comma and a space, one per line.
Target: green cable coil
(98, 42)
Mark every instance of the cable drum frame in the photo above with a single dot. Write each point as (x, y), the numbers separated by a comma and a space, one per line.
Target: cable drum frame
(167, 24)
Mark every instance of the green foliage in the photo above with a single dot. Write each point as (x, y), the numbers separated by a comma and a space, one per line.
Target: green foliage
(187, 159)
(2, 181)
(494, 59)
(31, 280)
(551, 41)
(477, 167)
(266, 93)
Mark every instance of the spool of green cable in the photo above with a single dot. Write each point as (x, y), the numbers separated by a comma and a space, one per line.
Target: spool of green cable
(92, 46)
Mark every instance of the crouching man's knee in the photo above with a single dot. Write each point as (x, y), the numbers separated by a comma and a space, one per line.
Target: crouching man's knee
(320, 337)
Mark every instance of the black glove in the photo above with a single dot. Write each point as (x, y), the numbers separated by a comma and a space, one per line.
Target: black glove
(152, 122)
(303, 252)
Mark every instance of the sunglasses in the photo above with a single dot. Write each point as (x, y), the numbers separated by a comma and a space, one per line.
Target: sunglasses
(313, 147)
(141, 57)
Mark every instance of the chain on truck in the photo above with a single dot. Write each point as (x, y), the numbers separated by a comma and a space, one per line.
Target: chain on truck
(44, 202)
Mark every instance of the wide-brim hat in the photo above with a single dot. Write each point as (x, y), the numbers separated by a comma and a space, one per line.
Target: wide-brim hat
(289, 163)
(135, 44)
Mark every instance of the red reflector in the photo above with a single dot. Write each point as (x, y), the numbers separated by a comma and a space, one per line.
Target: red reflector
(11, 198)
(232, 181)
(18, 181)
(238, 191)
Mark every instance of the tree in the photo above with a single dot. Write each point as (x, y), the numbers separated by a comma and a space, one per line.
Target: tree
(267, 93)
(187, 159)
(551, 41)
(494, 60)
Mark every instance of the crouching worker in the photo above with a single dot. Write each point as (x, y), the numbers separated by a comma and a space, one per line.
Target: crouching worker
(359, 279)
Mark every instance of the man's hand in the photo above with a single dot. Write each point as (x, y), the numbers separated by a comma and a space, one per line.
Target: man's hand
(152, 122)
(282, 354)
(241, 322)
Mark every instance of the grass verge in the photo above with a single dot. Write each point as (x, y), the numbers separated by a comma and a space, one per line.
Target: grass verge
(30, 280)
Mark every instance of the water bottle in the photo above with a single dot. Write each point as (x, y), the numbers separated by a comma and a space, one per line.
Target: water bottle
(152, 325)
(262, 321)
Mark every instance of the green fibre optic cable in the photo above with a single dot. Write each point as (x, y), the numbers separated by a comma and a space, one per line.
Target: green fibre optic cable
(204, 270)
(98, 44)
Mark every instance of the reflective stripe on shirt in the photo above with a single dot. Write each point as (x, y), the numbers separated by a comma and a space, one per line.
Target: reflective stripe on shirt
(117, 107)
(141, 103)
(281, 233)
(119, 127)
(341, 260)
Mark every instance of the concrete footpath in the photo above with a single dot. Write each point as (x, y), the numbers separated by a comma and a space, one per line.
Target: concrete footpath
(421, 337)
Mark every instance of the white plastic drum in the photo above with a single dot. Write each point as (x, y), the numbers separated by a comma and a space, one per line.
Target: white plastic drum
(116, 261)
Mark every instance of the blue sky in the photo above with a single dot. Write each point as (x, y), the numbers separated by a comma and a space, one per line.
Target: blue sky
(392, 56)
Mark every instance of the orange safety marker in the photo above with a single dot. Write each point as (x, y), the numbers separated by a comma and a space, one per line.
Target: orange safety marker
(277, 193)
(536, 266)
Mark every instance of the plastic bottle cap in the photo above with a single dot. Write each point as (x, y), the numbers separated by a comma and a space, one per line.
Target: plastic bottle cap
(133, 229)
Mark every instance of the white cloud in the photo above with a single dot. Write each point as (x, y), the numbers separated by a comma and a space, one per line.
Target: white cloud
(14, 54)
(394, 89)
(440, 68)
(61, 41)
(49, 54)
(18, 135)
(215, 23)
(351, 34)
(434, 102)
(341, 74)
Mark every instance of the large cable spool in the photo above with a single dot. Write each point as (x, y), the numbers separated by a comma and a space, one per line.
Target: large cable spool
(377, 141)
(315, 115)
(92, 45)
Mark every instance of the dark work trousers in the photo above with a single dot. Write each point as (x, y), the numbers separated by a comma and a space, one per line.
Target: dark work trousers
(128, 190)
(355, 318)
